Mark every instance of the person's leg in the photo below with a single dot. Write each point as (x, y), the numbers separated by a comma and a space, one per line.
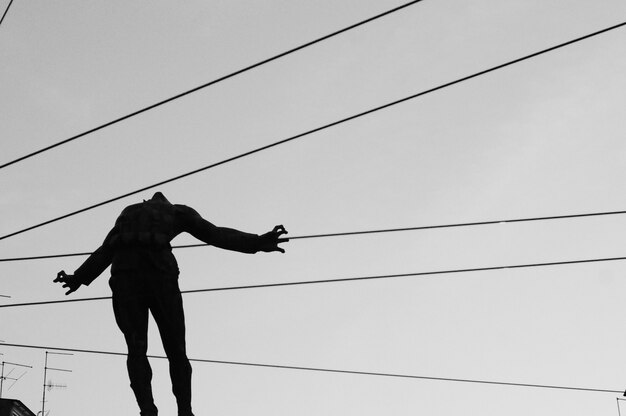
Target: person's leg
(131, 315)
(168, 313)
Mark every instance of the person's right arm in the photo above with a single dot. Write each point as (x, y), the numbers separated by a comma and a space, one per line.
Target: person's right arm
(91, 268)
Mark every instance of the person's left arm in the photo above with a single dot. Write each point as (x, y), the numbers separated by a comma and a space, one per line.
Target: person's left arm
(229, 238)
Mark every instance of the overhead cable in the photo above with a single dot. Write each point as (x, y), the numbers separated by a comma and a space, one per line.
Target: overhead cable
(315, 130)
(340, 280)
(2, 20)
(215, 81)
(330, 370)
(362, 232)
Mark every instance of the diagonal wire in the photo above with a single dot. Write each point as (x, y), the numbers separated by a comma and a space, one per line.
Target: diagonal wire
(2, 19)
(362, 232)
(335, 371)
(315, 130)
(16, 380)
(208, 84)
(619, 399)
(340, 280)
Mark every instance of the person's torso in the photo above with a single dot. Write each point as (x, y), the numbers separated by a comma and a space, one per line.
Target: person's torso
(141, 240)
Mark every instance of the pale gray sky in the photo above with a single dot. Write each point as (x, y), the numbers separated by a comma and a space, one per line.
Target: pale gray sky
(543, 137)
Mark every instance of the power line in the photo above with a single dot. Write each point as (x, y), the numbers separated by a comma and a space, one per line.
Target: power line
(340, 280)
(456, 225)
(315, 130)
(2, 20)
(363, 232)
(215, 81)
(329, 370)
(53, 256)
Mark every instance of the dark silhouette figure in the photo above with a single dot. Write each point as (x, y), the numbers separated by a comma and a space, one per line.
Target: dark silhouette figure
(144, 277)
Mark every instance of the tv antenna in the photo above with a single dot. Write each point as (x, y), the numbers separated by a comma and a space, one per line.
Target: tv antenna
(15, 380)
(49, 385)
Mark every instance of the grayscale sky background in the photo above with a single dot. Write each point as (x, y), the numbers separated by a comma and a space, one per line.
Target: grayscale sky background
(544, 137)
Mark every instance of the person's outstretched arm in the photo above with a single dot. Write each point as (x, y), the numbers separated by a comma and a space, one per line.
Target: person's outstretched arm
(91, 268)
(229, 238)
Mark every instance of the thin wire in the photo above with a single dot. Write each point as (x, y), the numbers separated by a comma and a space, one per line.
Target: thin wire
(223, 78)
(16, 380)
(335, 123)
(619, 413)
(49, 256)
(363, 232)
(2, 20)
(340, 280)
(336, 371)
(465, 224)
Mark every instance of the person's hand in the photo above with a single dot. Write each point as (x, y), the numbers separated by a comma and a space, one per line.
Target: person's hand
(270, 240)
(69, 281)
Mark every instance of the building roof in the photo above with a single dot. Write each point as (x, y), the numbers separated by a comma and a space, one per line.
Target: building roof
(12, 407)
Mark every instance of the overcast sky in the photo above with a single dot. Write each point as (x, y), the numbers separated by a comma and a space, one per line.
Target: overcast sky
(543, 137)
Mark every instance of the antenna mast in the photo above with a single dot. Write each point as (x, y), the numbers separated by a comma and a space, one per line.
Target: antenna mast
(2, 376)
(49, 384)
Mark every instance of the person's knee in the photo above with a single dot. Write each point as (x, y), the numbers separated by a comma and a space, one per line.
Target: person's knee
(137, 346)
(175, 347)
(178, 355)
(178, 358)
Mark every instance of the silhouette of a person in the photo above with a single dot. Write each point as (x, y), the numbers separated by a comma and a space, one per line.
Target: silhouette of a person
(144, 277)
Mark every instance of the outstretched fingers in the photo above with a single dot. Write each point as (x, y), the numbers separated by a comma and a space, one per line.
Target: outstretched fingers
(61, 277)
(68, 282)
(271, 239)
(71, 289)
(279, 230)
